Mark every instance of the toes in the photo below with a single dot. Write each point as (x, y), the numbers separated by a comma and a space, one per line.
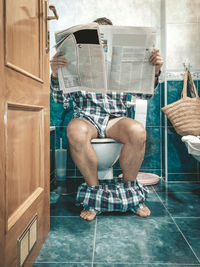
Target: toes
(141, 213)
(91, 215)
(144, 212)
(88, 215)
(147, 210)
(83, 213)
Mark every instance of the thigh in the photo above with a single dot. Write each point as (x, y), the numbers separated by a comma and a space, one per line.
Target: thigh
(120, 128)
(80, 126)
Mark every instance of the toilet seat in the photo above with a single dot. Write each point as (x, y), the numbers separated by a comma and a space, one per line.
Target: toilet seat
(103, 141)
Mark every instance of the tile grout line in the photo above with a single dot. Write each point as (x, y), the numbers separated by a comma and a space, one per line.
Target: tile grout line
(194, 217)
(138, 264)
(94, 241)
(183, 182)
(185, 192)
(71, 262)
(65, 216)
(178, 227)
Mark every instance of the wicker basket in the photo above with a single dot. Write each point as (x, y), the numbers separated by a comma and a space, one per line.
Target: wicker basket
(184, 114)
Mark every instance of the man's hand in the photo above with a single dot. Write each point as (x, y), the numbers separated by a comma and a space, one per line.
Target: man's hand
(57, 62)
(156, 60)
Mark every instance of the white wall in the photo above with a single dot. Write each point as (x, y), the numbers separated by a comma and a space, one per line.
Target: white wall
(179, 23)
(120, 12)
(183, 34)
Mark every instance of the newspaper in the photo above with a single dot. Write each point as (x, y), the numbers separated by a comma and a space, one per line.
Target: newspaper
(103, 58)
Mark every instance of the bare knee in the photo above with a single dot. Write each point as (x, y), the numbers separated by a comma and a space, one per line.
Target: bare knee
(78, 134)
(136, 133)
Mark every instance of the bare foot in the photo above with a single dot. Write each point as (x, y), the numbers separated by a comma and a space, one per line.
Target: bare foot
(144, 212)
(88, 215)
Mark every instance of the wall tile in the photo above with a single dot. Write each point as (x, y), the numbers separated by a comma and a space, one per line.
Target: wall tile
(134, 12)
(162, 102)
(156, 13)
(189, 11)
(116, 172)
(61, 133)
(152, 153)
(174, 89)
(198, 85)
(78, 173)
(153, 109)
(70, 162)
(71, 173)
(52, 139)
(183, 177)
(52, 152)
(182, 40)
(58, 115)
(116, 165)
(163, 151)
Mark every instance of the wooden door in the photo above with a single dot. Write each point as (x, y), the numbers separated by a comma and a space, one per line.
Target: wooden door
(24, 131)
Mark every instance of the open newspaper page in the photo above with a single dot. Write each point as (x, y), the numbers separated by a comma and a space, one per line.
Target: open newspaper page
(127, 58)
(85, 68)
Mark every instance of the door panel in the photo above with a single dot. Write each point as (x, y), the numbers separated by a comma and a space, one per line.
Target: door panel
(24, 148)
(23, 32)
(24, 135)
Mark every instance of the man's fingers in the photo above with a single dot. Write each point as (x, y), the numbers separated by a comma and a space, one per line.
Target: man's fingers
(157, 62)
(58, 54)
(59, 65)
(155, 55)
(155, 50)
(155, 58)
(58, 60)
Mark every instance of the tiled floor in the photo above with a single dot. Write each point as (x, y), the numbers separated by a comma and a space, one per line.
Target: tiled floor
(170, 237)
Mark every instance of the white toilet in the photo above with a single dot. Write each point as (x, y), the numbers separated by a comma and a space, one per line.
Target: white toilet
(193, 145)
(108, 151)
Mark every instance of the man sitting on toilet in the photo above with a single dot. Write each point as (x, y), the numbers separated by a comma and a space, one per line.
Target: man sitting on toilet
(104, 115)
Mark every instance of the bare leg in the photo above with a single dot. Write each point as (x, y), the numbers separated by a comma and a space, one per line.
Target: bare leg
(79, 133)
(133, 136)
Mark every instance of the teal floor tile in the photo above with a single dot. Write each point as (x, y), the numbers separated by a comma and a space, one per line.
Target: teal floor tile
(64, 205)
(177, 187)
(140, 240)
(181, 204)
(153, 203)
(70, 241)
(190, 227)
(145, 265)
(124, 239)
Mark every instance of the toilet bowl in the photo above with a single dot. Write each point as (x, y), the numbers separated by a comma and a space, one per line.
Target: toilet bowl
(193, 145)
(108, 151)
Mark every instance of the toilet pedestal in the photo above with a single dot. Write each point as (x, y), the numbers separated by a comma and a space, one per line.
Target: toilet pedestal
(105, 174)
(107, 151)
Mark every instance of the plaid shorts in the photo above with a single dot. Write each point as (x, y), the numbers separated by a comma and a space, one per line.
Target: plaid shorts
(112, 195)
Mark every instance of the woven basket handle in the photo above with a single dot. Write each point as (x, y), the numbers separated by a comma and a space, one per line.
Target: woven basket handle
(184, 92)
(192, 87)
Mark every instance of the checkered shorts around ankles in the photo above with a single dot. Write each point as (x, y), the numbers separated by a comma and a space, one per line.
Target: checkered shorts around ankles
(112, 195)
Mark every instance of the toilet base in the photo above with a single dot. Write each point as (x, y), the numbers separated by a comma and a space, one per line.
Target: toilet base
(105, 174)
